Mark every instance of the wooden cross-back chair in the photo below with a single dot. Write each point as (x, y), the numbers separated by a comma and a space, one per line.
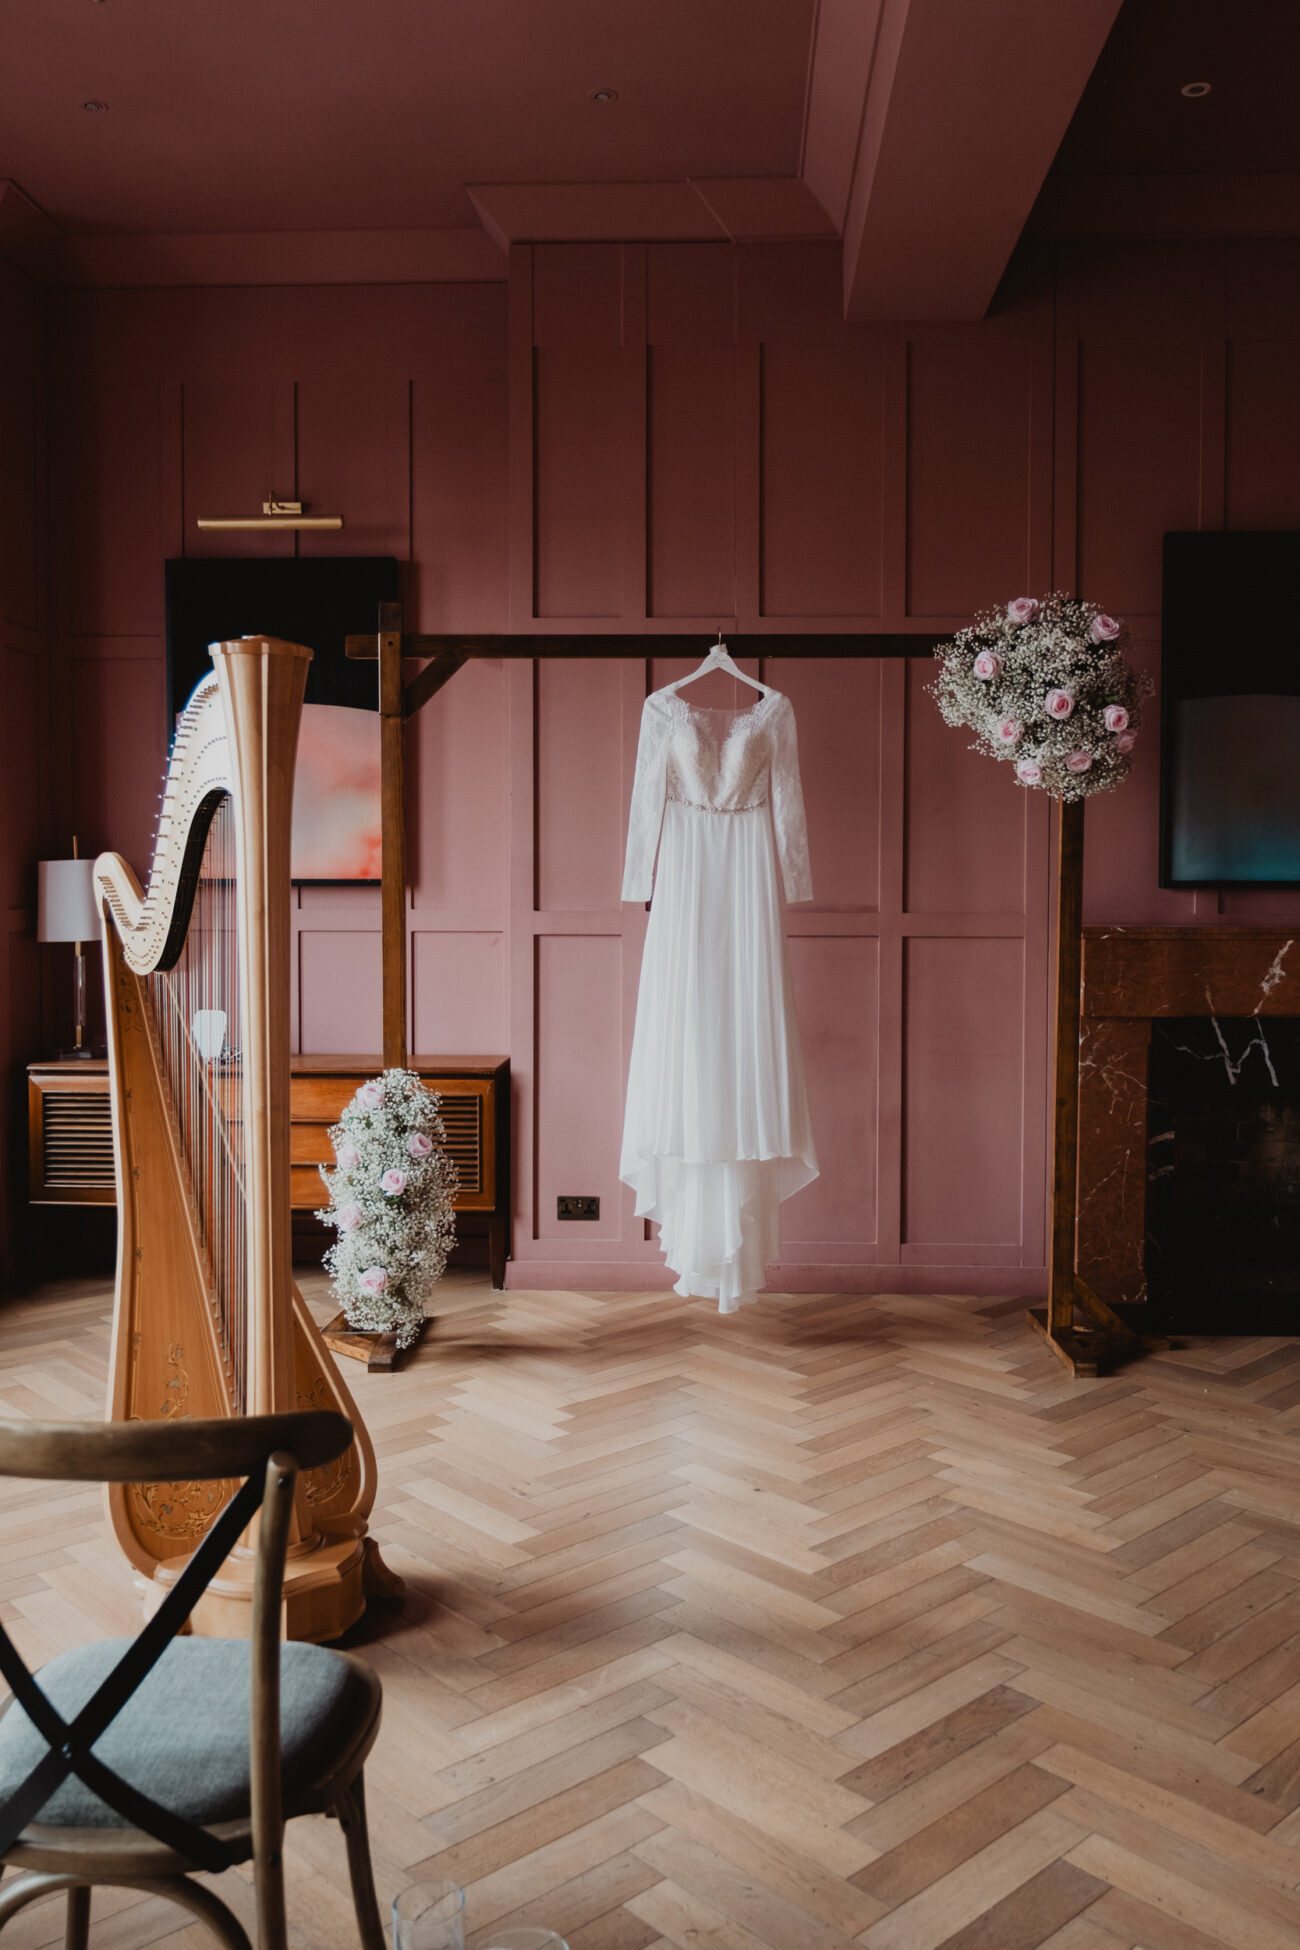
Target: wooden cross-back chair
(141, 1762)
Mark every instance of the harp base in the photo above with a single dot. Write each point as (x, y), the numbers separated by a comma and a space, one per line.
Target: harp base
(325, 1591)
(378, 1580)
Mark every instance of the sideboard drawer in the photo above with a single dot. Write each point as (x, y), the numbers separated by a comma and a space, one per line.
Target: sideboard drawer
(467, 1111)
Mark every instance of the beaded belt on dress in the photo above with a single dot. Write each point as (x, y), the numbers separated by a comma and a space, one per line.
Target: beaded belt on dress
(692, 806)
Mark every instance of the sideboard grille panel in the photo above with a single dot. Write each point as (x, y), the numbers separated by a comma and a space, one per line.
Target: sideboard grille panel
(77, 1138)
(462, 1120)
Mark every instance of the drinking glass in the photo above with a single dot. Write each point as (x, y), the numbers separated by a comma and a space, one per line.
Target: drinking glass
(429, 1916)
(523, 1938)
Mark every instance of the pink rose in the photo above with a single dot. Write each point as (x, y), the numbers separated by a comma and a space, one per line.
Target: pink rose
(1126, 741)
(1116, 717)
(393, 1183)
(1009, 731)
(419, 1145)
(1023, 610)
(1029, 772)
(348, 1156)
(371, 1095)
(986, 666)
(1078, 761)
(348, 1217)
(373, 1280)
(1059, 704)
(1104, 628)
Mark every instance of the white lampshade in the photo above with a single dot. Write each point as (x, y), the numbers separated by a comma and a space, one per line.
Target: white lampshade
(67, 909)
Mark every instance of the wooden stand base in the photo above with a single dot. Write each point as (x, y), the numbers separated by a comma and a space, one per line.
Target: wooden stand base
(1090, 1345)
(380, 1352)
(1085, 1351)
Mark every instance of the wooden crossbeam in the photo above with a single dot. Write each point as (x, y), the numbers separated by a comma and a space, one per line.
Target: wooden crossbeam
(579, 644)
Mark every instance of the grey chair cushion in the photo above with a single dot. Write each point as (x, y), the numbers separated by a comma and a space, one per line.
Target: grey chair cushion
(182, 1737)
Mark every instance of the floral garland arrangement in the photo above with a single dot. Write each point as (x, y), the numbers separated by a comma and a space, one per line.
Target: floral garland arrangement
(1047, 685)
(391, 1204)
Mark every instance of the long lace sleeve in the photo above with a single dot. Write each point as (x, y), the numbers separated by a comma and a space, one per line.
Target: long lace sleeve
(645, 815)
(788, 820)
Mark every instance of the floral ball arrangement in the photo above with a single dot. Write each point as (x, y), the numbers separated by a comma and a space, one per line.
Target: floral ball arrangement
(1046, 685)
(391, 1195)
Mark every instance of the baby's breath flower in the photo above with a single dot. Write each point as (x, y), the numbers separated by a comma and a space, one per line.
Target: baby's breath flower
(1046, 684)
(391, 1206)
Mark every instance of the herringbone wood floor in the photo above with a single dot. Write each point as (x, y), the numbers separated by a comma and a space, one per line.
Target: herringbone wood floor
(840, 1619)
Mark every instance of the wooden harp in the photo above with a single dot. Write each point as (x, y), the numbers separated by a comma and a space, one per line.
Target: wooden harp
(208, 1320)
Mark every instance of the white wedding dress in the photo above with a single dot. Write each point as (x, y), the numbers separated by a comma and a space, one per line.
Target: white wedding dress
(716, 1131)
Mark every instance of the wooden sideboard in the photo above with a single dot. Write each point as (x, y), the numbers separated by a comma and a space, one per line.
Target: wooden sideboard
(475, 1093)
(71, 1141)
(70, 1133)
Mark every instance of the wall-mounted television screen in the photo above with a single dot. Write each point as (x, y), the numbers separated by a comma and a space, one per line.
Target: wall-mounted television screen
(1230, 711)
(318, 601)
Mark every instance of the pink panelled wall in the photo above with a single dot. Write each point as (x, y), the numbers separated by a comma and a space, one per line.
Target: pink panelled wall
(668, 438)
(24, 684)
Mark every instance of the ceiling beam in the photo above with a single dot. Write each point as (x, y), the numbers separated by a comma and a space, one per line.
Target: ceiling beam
(745, 209)
(931, 125)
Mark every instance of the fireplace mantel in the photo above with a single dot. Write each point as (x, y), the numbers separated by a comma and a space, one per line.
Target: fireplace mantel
(1130, 977)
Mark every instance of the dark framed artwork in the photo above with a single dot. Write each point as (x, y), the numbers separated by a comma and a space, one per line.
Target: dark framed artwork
(316, 601)
(1230, 711)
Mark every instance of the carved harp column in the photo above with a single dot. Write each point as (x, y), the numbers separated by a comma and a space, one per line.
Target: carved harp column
(208, 1320)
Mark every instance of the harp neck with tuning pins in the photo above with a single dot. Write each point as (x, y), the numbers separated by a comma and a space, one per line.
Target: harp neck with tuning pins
(208, 1320)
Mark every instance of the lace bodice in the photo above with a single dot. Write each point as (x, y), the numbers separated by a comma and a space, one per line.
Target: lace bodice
(717, 762)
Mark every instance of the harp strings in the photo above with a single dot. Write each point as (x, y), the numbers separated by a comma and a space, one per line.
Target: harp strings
(198, 1016)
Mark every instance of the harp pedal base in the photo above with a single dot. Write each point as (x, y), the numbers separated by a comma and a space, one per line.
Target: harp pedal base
(325, 1591)
(380, 1352)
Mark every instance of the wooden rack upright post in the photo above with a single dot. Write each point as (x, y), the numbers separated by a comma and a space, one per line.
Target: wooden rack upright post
(1078, 1326)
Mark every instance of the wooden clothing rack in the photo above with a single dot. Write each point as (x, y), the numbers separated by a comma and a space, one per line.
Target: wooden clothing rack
(1077, 1324)
(400, 700)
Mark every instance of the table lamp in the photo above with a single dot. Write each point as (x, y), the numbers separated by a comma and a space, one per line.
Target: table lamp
(67, 911)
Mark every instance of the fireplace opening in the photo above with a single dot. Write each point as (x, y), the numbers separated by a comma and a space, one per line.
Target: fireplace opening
(1223, 1175)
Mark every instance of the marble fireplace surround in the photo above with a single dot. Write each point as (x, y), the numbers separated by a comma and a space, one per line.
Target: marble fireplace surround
(1130, 977)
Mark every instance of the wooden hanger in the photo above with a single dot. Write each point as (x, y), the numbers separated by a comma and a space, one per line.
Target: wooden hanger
(719, 658)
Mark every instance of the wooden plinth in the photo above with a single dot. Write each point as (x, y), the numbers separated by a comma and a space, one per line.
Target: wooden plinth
(380, 1352)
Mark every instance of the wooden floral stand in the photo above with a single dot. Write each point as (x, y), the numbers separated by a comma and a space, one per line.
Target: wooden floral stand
(1076, 1323)
(397, 702)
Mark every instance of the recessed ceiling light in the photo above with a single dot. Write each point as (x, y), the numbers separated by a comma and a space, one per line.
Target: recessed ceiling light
(94, 108)
(1195, 89)
(604, 96)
